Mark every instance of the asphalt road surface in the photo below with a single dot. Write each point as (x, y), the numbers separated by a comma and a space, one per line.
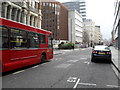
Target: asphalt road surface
(71, 69)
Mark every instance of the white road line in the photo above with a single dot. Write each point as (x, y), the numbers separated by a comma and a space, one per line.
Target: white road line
(82, 49)
(89, 84)
(72, 60)
(87, 62)
(63, 65)
(76, 83)
(18, 72)
(43, 63)
(35, 66)
(83, 58)
(72, 79)
(113, 86)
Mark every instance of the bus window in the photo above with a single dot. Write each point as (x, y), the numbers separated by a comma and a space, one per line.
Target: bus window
(50, 42)
(4, 37)
(18, 38)
(33, 40)
(42, 39)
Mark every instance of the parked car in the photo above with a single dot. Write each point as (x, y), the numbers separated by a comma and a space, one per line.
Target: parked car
(101, 52)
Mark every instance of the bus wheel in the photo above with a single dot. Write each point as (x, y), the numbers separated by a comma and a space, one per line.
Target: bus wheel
(43, 58)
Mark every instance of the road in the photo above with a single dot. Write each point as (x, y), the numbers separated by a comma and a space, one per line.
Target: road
(72, 69)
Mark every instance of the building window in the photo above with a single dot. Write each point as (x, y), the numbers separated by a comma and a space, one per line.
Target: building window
(82, 9)
(82, 2)
(82, 5)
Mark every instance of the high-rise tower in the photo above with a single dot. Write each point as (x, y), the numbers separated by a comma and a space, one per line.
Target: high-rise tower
(79, 5)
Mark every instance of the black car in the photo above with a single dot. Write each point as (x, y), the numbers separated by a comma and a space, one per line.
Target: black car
(101, 52)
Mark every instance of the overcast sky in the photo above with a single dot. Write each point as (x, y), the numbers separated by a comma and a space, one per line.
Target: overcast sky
(102, 13)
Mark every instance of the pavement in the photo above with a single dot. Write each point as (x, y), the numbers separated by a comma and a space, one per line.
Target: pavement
(115, 60)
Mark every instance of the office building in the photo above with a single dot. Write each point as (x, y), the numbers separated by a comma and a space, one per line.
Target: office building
(91, 33)
(116, 27)
(75, 26)
(79, 5)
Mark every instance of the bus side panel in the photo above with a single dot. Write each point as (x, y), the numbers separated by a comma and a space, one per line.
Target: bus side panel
(21, 58)
(5, 58)
(49, 53)
(32, 54)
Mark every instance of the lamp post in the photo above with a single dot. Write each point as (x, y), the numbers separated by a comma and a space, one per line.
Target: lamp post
(91, 40)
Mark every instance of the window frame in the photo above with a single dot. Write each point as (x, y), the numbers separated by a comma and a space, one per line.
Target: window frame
(50, 39)
(42, 38)
(2, 38)
(28, 40)
(25, 33)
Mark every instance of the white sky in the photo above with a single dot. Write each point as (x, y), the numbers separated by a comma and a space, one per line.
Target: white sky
(102, 13)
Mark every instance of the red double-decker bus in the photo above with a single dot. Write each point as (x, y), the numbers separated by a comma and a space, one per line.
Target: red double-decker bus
(23, 45)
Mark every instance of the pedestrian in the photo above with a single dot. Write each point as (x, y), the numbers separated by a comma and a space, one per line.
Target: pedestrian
(73, 46)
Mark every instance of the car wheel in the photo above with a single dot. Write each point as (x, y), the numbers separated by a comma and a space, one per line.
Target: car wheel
(93, 59)
(110, 61)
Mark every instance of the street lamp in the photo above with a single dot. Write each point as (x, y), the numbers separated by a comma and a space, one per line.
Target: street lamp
(91, 40)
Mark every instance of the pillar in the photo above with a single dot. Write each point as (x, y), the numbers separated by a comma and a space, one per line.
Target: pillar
(10, 12)
(28, 19)
(4, 8)
(19, 15)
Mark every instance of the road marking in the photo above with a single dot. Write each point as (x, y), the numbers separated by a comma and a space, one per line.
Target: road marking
(43, 63)
(35, 66)
(66, 50)
(113, 86)
(76, 83)
(86, 62)
(63, 65)
(18, 72)
(82, 49)
(88, 84)
(72, 79)
(72, 60)
(84, 58)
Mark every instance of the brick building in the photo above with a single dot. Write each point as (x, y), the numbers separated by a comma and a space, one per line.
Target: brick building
(55, 19)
